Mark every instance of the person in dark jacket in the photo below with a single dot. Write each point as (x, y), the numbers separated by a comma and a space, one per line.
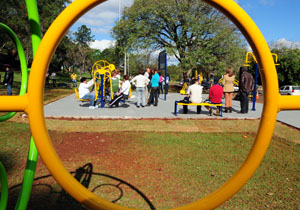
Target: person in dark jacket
(246, 85)
(8, 79)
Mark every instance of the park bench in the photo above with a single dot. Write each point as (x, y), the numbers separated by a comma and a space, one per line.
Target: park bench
(197, 104)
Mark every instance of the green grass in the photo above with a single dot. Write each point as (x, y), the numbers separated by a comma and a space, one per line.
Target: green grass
(170, 168)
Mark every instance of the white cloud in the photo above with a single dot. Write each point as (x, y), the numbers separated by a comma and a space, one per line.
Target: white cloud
(104, 15)
(283, 43)
(103, 44)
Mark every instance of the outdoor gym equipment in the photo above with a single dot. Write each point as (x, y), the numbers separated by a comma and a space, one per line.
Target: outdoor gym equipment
(32, 104)
(247, 63)
(102, 71)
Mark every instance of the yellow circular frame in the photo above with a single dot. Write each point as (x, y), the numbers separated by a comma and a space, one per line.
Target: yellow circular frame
(32, 103)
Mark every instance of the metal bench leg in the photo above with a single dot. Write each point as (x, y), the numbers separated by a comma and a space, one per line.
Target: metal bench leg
(175, 108)
(221, 111)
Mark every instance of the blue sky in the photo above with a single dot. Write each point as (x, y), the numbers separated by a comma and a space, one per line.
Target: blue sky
(278, 20)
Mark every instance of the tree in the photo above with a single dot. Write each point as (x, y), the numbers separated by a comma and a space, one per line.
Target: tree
(289, 69)
(83, 38)
(195, 33)
(14, 14)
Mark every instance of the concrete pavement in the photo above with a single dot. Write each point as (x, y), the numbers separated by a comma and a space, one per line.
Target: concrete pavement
(69, 107)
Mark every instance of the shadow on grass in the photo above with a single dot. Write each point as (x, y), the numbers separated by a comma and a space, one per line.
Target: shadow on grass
(52, 196)
(8, 162)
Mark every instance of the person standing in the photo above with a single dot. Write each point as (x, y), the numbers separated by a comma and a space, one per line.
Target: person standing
(167, 81)
(47, 79)
(53, 77)
(8, 79)
(246, 85)
(161, 79)
(147, 75)
(154, 89)
(74, 79)
(84, 91)
(228, 89)
(141, 83)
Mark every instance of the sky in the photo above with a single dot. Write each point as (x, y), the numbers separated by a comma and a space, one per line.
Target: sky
(278, 20)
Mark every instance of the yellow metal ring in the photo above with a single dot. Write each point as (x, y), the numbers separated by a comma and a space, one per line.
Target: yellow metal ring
(272, 104)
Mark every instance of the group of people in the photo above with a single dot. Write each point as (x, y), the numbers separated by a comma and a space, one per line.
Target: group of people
(53, 78)
(246, 85)
(148, 87)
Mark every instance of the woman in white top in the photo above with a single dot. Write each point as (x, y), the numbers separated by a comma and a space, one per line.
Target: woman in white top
(123, 92)
(141, 83)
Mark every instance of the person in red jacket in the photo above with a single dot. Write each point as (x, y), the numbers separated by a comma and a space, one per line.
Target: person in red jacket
(215, 97)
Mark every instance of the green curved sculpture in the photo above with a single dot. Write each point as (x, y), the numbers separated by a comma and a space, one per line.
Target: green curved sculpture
(36, 36)
(24, 68)
(4, 188)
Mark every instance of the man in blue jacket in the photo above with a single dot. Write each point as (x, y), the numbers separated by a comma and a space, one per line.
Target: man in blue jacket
(154, 88)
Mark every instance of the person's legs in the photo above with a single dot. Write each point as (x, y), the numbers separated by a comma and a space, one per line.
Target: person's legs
(9, 91)
(143, 96)
(139, 96)
(167, 88)
(244, 101)
(210, 110)
(91, 97)
(146, 95)
(185, 109)
(198, 109)
(150, 101)
(116, 100)
(156, 91)
(226, 101)
(230, 102)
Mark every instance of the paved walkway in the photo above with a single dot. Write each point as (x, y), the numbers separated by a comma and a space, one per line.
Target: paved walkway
(69, 107)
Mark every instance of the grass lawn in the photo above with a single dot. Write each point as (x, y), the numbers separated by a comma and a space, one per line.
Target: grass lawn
(153, 164)
(171, 162)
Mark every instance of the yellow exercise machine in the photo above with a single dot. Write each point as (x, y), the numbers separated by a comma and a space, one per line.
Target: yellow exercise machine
(32, 103)
(248, 60)
(102, 72)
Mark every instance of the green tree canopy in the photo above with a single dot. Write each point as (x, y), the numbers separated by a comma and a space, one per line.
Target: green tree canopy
(194, 32)
(289, 69)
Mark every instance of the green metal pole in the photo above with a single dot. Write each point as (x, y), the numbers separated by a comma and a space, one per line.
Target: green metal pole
(28, 176)
(23, 63)
(4, 188)
(36, 36)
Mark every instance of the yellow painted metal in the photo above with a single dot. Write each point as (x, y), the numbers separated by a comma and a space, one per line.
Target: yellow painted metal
(13, 103)
(182, 91)
(103, 64)
(32, 103)
(103, 67)
(106, 75)
(289, 103)
(276, 59)
(248, 61)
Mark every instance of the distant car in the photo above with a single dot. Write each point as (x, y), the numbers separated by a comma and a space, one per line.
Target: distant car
(289, 90)
(236, 88)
